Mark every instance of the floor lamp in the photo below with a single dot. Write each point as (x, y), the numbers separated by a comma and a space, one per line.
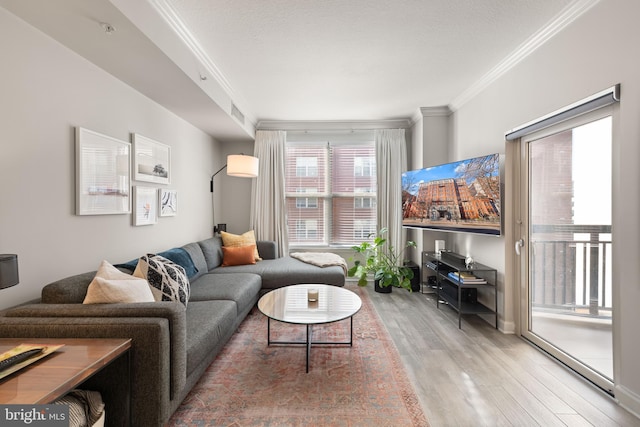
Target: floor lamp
(237, 165)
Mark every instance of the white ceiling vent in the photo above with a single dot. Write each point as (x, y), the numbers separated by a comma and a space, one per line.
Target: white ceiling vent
(237, 113)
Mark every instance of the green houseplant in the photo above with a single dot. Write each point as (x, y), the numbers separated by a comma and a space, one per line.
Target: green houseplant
(384, 261)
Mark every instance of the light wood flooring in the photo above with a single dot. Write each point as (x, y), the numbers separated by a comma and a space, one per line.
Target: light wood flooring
(478, 376)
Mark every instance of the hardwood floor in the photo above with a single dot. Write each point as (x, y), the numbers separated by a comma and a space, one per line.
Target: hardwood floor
(478, 376)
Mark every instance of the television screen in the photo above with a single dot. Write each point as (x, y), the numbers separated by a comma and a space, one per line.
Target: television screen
(462, 196)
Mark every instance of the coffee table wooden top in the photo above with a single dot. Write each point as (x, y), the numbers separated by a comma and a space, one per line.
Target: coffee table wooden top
(289, 304)
(56, 374)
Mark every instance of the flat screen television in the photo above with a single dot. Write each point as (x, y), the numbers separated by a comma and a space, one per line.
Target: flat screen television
(462, 196)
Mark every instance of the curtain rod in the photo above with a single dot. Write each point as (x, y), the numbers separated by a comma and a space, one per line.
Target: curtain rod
(355, 125)
(333, 129)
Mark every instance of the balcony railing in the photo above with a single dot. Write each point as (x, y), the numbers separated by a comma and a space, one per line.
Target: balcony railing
(571, 269)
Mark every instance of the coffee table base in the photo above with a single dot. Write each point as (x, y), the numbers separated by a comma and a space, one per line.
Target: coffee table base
(308, 343)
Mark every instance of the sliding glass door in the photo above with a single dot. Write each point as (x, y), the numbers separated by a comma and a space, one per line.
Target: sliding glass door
(568, 239)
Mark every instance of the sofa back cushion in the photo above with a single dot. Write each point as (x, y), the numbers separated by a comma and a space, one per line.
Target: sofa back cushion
(212, 250)
(194, 250)
(70, 290)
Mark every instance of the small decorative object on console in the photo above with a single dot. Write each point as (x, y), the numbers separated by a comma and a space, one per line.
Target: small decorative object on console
(468, 261)
(23, 355)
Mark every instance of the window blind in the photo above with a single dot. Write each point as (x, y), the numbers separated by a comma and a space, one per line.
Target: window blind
(331, 193)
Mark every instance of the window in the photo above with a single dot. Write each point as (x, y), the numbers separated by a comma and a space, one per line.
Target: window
(307, 166)
(364, 166)
(339, 185)
(362, 229)
(364, 202)
(307, 202)
(306, 229)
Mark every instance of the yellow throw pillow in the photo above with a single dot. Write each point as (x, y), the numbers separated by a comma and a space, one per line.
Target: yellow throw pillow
(241, 255)
(111, 285)
(246, 239)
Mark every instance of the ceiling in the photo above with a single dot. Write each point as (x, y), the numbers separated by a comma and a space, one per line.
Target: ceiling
(300, 60)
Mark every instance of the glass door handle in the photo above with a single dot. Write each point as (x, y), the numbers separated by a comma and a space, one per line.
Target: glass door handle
(519, 244)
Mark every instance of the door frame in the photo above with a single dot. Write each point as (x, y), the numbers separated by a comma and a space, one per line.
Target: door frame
(521, 233)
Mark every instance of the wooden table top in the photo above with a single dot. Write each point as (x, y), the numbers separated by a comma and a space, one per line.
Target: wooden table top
(56, 374)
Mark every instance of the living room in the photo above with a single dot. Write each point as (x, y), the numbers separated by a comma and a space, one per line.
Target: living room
(49, 89)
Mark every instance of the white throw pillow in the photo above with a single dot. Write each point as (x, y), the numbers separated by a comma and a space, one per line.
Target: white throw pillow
(111, 285)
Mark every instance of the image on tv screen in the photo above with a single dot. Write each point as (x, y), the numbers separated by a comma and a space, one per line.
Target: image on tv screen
(462, 196)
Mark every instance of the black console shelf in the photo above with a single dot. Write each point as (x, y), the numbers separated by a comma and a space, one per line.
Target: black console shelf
(461, 295)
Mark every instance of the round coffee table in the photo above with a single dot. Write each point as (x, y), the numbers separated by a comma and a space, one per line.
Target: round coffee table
(290, 304)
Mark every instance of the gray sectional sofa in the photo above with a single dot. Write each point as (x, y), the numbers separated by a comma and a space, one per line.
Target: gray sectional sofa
(171, 345)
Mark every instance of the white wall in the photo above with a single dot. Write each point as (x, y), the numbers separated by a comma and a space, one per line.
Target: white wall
(593, 53)
(235, 204)
(46, 90)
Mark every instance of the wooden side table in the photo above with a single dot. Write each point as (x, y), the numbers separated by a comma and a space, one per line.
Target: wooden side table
(79, 362)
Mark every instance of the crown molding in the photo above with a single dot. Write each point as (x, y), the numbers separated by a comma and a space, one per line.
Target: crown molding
(169, 14)
(329, 125)
(570, 13)
(423, 112)
(435, 111)
(166, 10)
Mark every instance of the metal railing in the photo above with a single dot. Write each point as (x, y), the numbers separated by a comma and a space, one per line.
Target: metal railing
(571, 268)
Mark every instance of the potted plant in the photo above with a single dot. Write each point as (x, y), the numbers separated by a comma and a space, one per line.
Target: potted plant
(383, 261)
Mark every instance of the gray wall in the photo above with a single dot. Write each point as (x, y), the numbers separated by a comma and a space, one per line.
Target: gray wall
(593, 53)
(46, 90)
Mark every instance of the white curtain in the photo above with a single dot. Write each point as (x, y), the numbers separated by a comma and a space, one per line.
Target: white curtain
(391, 161)
(268, 210)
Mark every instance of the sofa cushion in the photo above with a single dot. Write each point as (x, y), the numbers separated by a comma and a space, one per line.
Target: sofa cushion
(241, 255)
(70, 290)
(235, 240)
(242, 288)
(167, 280)
(208, 322)
(286, 271)
(110, 285)
(195, 252)
(212, 251)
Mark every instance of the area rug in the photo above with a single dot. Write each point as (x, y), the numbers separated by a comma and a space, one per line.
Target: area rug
(252, 384)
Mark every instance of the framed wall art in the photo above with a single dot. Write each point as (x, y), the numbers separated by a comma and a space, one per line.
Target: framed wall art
(103, 174)
(168, 202)
(152, 160)
(145, 210)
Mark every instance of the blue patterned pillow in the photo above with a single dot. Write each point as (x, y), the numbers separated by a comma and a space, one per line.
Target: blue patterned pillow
(168, 280)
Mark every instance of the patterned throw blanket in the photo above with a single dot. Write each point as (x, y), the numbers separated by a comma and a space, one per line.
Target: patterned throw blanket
(85, 407)
(321, 259)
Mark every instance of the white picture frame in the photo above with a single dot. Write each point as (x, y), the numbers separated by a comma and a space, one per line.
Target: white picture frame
(145, 210)
(152, 160)
(168, 200)
(103, 174)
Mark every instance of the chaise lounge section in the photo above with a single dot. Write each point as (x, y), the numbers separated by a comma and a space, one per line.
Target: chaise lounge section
(172, 345)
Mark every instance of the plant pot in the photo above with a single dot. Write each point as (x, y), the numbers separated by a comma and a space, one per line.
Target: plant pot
(381, 289)
(415, 281)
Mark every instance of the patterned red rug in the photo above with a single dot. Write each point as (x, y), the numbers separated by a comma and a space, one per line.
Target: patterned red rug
(250, 384)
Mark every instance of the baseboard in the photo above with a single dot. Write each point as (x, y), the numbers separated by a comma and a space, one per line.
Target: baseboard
(507, 327)
(628, 399)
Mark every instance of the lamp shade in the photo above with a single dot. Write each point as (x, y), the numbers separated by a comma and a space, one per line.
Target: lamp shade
(242, 166)
(8, 270)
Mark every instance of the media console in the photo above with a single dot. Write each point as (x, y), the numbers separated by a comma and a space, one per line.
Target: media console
(457, 284)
